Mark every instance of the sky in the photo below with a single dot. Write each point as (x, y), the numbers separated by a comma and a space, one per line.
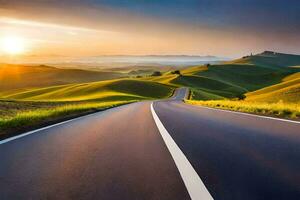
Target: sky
(228, 28)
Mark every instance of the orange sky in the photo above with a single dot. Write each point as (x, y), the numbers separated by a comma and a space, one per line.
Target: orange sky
(85, 30)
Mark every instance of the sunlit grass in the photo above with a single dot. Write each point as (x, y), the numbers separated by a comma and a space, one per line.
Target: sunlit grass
(30, 118)
(95, 91)
(287, 91)
(280, 109)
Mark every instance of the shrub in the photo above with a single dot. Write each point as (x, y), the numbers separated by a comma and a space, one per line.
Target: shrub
(241, 96)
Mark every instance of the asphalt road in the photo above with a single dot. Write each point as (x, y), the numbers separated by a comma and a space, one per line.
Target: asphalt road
(120, 154)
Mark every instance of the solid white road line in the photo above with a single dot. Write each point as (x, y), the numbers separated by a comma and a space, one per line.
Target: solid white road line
(249, 114)
(191, 179)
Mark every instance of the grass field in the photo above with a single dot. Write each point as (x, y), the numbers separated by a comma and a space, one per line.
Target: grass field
(285, 110)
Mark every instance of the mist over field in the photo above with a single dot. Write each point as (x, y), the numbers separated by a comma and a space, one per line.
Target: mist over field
(117, 61)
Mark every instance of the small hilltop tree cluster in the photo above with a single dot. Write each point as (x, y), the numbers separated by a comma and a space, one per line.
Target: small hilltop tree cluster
(176, 72)
(156, 73)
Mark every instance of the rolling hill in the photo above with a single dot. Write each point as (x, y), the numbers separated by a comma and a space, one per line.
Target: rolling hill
(19, 77)
(37, 107)
(36, 95)
(112, 90)
(238, 77)
(271, 81)
(254, 75)
(270, 59)
(286, 91)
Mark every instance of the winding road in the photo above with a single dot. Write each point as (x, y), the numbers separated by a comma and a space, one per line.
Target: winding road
(155, 150)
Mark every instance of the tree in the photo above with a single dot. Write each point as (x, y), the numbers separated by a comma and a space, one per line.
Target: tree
(156, 73)
(176, 72)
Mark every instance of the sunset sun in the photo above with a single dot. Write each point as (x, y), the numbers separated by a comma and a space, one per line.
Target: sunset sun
(13, 45)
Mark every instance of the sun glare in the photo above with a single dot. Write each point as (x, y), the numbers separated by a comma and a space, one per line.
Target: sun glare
(13, 45)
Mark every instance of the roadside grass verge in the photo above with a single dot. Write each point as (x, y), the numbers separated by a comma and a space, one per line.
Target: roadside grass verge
(28, 118)
(280, 109)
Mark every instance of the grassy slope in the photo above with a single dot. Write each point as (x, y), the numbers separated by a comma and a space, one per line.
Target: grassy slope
(247, 77)
(272, 80)
(119, 89)
(18, 77)
(271, 60)
(208, 88)
(232, 79)
(286, 91)
(254, 72)
(208, 85)
(37, 107)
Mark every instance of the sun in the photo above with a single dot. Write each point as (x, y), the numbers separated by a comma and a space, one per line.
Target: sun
(13, 45)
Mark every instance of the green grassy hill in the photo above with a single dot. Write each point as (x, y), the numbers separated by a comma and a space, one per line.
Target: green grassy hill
(271, 59)
(218, 81)
(247, 77)
(271, 81)
(32, 108)
(20, 77)
(235, 78)
(286, 91)
(208, 85)
(113, 90)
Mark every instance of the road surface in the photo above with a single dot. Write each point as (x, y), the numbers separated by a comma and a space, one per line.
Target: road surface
(122, 153)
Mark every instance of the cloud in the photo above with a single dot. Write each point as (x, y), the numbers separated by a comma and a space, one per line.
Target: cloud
(70, 29)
